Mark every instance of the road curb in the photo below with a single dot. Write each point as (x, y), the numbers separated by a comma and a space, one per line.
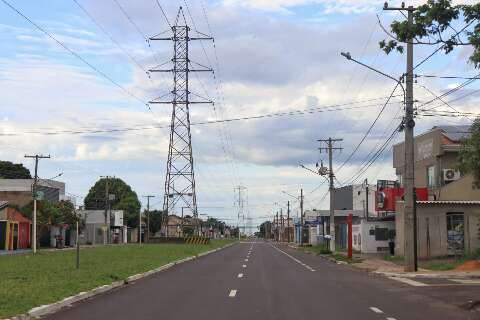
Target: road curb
(44, 310)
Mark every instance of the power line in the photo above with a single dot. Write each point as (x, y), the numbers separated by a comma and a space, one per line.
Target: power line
(99, 26)
(369, 129)
(319, 109)
(76, 55)
(163, 13)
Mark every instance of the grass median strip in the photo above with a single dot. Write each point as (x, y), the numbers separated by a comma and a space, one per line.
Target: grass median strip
(28, 281)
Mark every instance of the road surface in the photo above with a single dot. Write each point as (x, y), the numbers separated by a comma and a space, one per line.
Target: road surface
(258, 280)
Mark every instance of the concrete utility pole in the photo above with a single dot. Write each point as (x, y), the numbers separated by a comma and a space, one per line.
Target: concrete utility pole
(282, 226)
(35, 197)
(277, 229)
(288, 221)
(410, 233)
(331, 188)
(148, 216)
(301, 217)
(107, 209)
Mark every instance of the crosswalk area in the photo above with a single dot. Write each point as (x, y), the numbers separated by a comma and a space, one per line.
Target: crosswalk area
(436, 281)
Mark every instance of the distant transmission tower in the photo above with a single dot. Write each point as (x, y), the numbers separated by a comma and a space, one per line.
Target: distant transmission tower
(180, 178)
(240, 202)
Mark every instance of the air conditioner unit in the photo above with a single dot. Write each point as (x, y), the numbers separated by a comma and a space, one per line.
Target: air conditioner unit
(451, 174)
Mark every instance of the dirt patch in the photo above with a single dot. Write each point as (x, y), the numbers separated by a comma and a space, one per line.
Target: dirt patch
(473, 265)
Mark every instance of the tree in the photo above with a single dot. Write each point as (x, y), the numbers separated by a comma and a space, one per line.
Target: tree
(125, 199)
(430, 24)
(470, 153)
(155, 220)
(10, 170)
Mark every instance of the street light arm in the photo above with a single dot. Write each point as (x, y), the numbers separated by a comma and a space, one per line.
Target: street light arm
(348, 56)
(308, 169)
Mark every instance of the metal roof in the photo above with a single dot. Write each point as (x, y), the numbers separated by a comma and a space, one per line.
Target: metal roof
(455, 133)
(466, 202)
(3, 204)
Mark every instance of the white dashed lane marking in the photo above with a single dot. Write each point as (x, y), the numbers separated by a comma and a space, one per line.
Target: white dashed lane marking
(232, 293)
(244, 265)
(246, 260)
(376, 310)
(390, 318)
(240, 275)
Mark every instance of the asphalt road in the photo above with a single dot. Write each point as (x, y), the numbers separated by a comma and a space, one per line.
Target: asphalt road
(260, 281)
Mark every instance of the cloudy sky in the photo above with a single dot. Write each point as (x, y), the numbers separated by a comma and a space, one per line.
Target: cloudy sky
(270, 56)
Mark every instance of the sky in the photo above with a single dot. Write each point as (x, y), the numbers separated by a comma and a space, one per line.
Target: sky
(269, 56)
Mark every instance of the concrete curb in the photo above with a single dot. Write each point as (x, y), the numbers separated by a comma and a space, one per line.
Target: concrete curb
(56, 306)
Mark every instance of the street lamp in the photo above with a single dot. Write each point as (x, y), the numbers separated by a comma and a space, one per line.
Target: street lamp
(348, 56)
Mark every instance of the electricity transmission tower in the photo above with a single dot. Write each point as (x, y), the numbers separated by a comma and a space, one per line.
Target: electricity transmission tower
(180, 178)
(240, 201)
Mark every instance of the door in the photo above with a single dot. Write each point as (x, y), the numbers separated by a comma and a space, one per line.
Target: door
(455, 232)
(15, 236)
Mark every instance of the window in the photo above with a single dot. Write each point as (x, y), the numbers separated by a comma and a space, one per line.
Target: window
(355, 239)
(431, 177)
(455, 231)
(381, 234)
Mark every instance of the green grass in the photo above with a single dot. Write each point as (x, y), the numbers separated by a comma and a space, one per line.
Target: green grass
(394, 259)
(28, 281)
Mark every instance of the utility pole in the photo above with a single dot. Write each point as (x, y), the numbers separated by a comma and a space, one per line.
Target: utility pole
(409, 124)
(148, 216)
(107, 214)
(366, 199)
(301, 217)
(277, 230)
(35, 197)
(180, 178)
(329, 142)
(288, 221)
(282, 226)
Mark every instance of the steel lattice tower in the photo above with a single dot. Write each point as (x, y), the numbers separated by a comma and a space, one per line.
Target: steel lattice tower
(180, 179)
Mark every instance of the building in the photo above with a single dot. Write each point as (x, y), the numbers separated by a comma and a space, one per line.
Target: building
(436, 158)
(15, 229)
(448, 221)
(19, 191)
(443, 228)
(355, 197)
(174, 226)
(96, 230)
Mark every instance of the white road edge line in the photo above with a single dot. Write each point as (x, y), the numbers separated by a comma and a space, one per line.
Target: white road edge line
(232, 293)
(240, 275)
(295, 259)
(411, 282)
(376, 310)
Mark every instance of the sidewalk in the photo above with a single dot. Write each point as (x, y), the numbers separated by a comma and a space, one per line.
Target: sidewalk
(379, 265)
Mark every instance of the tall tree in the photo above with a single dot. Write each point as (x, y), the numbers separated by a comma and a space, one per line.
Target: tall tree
(10, 170)
(470, 153)
(125, 199)
(434, 24)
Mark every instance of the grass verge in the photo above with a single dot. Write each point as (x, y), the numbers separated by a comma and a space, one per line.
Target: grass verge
(28, 281)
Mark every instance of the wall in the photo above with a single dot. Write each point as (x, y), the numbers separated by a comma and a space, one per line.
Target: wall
(368, 244)
(359, 198)
(432, 228)
(343, 198)
(18, 198)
